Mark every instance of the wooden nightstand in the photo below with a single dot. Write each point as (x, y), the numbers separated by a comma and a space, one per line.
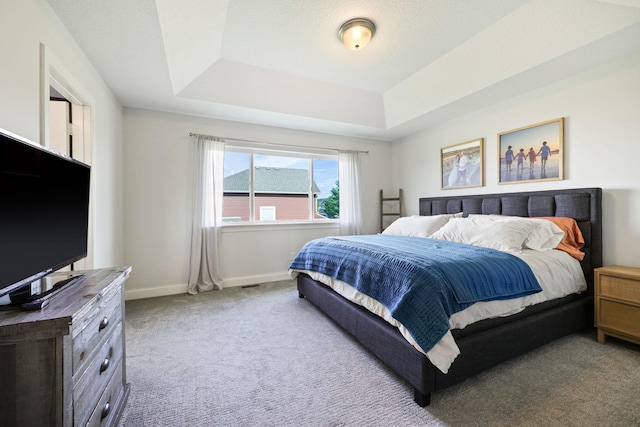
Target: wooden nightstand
(617, 303)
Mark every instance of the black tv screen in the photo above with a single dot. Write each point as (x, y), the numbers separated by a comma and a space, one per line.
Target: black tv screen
(44, 211)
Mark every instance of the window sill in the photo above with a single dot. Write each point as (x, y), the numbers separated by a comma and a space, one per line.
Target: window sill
(288, 225)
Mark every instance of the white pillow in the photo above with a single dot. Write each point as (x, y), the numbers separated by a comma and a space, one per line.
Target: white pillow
(496, 233)
(461, 230)
(417, 226)
(543, 236)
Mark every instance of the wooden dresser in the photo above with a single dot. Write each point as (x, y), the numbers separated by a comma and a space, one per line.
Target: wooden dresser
(617, 303)
(64, 365)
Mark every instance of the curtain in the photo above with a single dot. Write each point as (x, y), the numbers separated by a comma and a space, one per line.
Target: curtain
(208, 177)
(349, 178)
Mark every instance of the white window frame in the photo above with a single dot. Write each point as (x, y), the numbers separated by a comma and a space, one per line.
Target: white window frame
(286, 151)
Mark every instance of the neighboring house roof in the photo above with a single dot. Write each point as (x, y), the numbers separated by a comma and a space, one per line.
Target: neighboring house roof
(271, 180)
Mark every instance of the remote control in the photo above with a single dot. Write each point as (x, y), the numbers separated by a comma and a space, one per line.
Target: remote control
(36, 304)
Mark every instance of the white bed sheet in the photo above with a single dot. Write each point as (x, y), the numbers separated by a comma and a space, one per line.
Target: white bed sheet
(558, 273)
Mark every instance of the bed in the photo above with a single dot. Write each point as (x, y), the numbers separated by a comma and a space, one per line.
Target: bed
(488, 342)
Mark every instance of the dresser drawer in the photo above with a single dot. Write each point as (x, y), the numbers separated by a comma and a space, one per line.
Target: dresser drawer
(95, 325)
(619, 288)
(99, 372)
(619, 317)
(105, 409)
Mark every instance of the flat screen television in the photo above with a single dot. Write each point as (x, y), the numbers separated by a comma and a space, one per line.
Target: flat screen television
(44, 212)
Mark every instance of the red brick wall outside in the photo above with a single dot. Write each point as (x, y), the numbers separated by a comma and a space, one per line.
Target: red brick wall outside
(287, 207)
(235, 206)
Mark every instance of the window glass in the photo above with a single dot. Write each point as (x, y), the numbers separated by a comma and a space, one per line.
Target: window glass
(277, 186)
(281, 182)
(325, 177)
(236, 201)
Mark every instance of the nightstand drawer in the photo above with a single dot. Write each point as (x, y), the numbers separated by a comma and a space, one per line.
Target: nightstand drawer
(619, 288)
(619, 317)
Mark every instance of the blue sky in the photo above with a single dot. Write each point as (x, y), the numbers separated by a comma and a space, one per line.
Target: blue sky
(325, 171)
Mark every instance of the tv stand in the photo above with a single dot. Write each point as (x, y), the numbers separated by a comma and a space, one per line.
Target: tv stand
(65, 365)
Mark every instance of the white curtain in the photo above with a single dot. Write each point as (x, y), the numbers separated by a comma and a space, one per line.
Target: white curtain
(208, 177)
(349, 178)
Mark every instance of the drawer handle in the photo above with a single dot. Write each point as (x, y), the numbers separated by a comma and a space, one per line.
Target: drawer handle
(105, 411)
(103, 324)
(104, 365)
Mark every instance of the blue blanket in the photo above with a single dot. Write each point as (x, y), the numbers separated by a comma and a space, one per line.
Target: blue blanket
(422, 282)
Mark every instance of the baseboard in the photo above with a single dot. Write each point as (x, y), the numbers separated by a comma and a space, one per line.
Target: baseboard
(182, 288)
(160, 291)
(254, 280)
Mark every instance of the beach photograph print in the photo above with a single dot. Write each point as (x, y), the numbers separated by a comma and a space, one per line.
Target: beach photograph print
(531, 153)
(462, 165)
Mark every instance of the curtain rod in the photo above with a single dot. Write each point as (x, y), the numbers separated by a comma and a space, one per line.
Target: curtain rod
(222, 138)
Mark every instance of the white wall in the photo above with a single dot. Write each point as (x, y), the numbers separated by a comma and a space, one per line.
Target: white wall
(601, 126)
(601, 108)
(24, 25)
(157, 168)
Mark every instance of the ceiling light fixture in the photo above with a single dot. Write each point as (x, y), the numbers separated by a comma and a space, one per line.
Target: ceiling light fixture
(356, 33)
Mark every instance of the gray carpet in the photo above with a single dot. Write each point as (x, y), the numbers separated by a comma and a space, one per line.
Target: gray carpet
(260, 356)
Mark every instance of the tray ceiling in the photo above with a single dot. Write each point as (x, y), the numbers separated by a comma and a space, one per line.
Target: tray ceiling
(280, 62)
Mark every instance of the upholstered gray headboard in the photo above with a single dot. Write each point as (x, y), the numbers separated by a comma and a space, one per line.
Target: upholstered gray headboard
(582, 204)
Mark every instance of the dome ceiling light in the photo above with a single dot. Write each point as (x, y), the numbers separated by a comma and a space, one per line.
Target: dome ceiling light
(356, 33)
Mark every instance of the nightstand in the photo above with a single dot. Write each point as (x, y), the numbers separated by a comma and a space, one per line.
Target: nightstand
(617, 303)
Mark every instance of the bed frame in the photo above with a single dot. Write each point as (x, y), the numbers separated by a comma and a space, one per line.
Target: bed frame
(489, 342)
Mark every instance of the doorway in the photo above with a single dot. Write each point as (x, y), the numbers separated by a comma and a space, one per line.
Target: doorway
(65, 126)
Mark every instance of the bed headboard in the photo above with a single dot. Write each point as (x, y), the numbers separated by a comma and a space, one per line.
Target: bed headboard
(582, 204)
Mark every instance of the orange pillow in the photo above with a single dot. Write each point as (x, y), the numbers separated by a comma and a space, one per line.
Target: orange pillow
(573, 240)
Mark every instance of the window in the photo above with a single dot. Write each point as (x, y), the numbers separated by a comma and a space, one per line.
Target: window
(267, 213)
(271, 185)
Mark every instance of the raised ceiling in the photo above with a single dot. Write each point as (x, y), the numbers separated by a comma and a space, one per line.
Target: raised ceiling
(280, 62)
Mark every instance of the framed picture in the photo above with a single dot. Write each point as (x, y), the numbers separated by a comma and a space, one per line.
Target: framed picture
(461, 165)
(531, 153)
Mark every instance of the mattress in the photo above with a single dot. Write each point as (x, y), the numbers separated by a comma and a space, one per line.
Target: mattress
(558, 274)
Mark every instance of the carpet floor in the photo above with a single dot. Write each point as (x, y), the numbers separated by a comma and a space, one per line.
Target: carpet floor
(260, 356)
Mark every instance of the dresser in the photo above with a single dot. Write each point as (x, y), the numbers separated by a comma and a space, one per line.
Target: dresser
(64, 365)
(617, 303)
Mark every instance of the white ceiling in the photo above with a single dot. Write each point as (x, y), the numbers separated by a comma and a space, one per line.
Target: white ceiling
(280, 62)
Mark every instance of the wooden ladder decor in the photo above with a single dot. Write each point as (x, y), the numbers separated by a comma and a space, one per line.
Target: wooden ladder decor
(390, 209)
